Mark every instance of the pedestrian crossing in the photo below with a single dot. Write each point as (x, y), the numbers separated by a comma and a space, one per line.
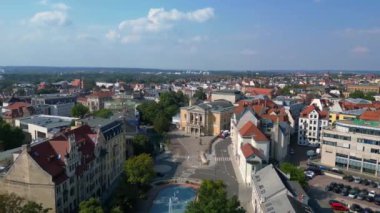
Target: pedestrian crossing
(222, 159)
(218, 159)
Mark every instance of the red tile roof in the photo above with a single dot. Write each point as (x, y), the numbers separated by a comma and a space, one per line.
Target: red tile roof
(250, 130)
(259, 91)
(248, 150)
(370, 116)
(310, 108)
(50, 155)
(17, 105)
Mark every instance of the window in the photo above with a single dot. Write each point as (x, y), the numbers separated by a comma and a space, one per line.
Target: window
(376, 151)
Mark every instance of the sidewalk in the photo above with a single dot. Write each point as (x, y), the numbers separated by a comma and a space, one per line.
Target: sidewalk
(245, 192)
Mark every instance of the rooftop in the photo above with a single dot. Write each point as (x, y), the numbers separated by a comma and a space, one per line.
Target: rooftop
(47, 121)
(359, 122)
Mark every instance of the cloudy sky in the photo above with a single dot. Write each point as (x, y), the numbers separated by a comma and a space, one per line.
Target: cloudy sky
(192, 34)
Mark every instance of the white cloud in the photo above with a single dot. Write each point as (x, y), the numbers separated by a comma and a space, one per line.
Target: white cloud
(248, 52)
(113, 35)
(60, 6)
(56, 17)
(360, 50)
(157, 20)
(130, 39)
(50, 18)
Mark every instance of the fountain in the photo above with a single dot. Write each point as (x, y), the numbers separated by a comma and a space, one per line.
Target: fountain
(173, 199)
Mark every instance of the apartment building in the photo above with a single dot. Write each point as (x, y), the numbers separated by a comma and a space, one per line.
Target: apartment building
(96, 100)
(311, 122)
(364, 88)
(208, 118)
(352, 145)
(59, 105)
(72, 167)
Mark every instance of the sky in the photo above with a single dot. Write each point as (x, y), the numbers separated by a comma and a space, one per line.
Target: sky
(192, 34)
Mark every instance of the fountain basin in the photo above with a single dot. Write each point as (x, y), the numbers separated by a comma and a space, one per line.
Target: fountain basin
(173, 199)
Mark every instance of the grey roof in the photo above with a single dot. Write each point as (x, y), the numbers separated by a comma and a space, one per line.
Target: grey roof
(356, 112)
(47, 121)
(218, 105)
(358, 101)
(277, 194)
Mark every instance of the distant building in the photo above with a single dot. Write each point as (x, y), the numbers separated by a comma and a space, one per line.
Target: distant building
(72, 167)
(272, 191)
(253, 91)
(96, 100)
(206, 118)
(365, 88)
(353, 145)
(229, 95)
(43, 126)
(59, 105)
(16, 110)
(312, 120)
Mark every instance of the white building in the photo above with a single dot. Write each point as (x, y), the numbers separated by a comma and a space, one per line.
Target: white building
(250, 145)
(312, 120)
(43, 126)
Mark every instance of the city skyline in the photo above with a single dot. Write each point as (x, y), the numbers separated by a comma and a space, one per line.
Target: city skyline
(210, 35)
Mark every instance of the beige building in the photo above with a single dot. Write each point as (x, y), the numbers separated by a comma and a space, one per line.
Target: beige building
(206, 118)
(229, 95)
(96, 100)
(62, 172)
(352, 145)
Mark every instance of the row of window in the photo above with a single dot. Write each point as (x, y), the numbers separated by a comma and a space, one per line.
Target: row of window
(340, 137)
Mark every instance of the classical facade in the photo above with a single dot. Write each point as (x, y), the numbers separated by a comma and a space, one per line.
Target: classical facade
(62, 172)
(206, 118)
(352, 145)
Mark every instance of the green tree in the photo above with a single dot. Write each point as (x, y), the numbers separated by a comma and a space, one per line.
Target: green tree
(91, 205)
(139, 169)
(357, 94)
(200, 94)
(212, 198)
(148, 111)
(79, 110)
(294, 172)
(161, 123)
(141, 144)
(103, 113)
(11, 203)
(11, 137)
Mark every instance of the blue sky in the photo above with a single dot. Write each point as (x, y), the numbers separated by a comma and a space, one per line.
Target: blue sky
(192, 34)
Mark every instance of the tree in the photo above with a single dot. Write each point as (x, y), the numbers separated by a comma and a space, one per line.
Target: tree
(148, 111)
(357, 94)
(103, 113)
(294, 172)
(15, 204)
(139, 169)
(47, 91)
(200, 94)
(161, 123)
(141, 145)
(11, 137)
(91, 205)
(79, 110)
(212, 197)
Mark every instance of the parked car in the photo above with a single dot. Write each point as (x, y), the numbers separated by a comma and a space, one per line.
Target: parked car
(362, 194)
(336, 170)
(309, 174)
(337, 189)
(348, 178)
(338, 206)
(367, 210)
(316, 170)
(365, 182)
(328, 188)
(374, 184)
(345, 191)
(369, 199)
(356, 208)
(372, 193)
(353, 193)
(357, 179)
(377, 200)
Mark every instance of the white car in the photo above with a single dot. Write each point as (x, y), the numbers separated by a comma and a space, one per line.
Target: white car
(309, 174)
(372, 193)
